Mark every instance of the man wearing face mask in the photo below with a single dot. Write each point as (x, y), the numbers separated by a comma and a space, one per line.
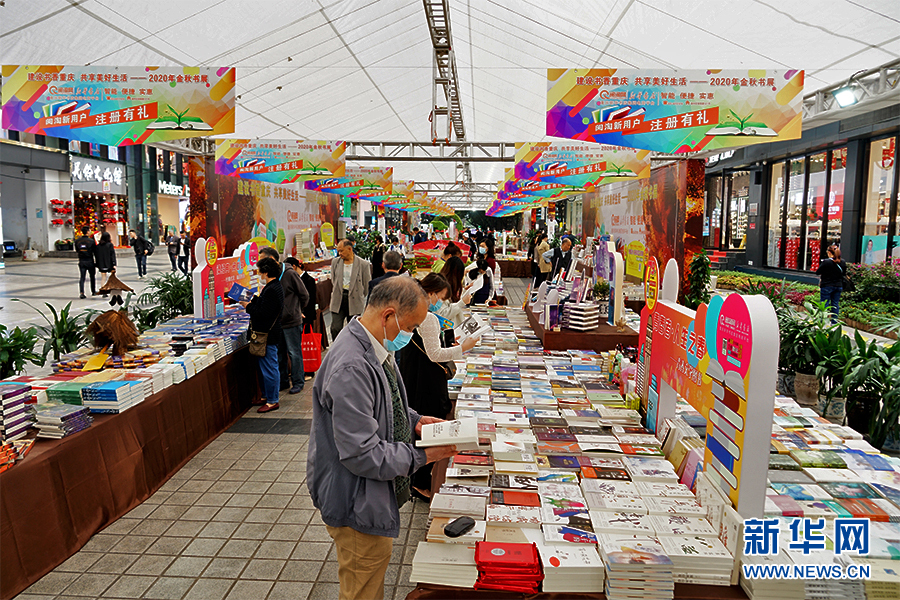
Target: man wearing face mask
(361, 451)
(560, 258)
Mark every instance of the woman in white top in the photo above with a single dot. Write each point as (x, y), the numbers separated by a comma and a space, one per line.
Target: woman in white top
(453, 308)
(425, 369)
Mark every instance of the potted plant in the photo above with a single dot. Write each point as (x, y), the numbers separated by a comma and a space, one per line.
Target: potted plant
(600, 292)
(835, 350)
(698, 281)
(64, 244)
(802, 347)
(871, 379)
(17, 348)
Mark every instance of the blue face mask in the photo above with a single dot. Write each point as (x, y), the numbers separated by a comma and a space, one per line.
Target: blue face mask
(436, 306)
(482, 250)
(398, 342)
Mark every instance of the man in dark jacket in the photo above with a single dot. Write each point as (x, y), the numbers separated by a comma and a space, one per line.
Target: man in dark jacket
(311, 310)
(560, 258)
(392, 263)
(173, 244)
(184, 254)
(295, 298)
(85, 247)
(141, 251)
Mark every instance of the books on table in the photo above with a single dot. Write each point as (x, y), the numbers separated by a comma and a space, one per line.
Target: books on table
(636, 567)
(444, 564)
(462, 433)
(571, 568)
(436, 532)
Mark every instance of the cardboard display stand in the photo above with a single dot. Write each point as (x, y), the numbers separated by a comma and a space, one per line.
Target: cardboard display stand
(214, 276)
(723, 360)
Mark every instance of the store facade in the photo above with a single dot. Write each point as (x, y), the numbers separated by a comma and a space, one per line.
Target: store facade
(780, 206)
(100, 197)
(158, 194)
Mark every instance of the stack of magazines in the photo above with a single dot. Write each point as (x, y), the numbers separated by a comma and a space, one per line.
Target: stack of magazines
(62, 421)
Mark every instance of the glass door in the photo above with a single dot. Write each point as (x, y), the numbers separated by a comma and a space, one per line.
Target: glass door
(738, 208)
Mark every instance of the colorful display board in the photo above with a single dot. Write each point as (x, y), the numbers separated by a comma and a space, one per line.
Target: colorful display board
(214, 275)
(675, 111)
(580, 165)
(280, 161)
(118, 106)
(723, 360)
(659, 216)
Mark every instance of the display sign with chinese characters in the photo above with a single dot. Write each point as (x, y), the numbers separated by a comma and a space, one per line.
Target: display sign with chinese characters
(280, 161)
(579, 165)
(674, 111)
(118, 106)
(723, 360)
(90, 175)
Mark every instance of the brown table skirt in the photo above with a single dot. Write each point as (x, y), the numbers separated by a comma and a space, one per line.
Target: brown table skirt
(65, 491)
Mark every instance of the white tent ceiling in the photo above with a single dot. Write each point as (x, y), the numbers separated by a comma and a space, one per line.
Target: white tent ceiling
(362, 69)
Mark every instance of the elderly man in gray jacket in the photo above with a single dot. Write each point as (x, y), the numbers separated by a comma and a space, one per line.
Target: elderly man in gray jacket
(361, 451)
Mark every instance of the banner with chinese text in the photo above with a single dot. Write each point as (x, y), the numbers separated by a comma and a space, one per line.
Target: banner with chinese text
(674, 111)
(580, 165)
(98, 104)
(280, 161)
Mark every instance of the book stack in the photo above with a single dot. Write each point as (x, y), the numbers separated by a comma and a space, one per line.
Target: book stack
(508, 567)
(113, 396)
(456, 505)
(444, 564)
(67, 392)
(699, 560)
(884, 578)
(637, 568)
(12, 452)
(18, 416)
(62, 421)
(771, 589)
(571, 569)
(581, 317)
(436, 533)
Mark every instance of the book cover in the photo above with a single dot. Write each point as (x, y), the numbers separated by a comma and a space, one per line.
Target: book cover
(846, 490)
(519, 482)
(566, 534)
(515, 498)
(605, 473)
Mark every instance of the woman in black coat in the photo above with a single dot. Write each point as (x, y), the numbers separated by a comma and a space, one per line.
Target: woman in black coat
(378, 258)
(265, 317)
(105, 258)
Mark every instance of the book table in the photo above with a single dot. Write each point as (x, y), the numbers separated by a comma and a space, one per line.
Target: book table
(515, 268)
(683, 591)
(67, 490)
(604, 338)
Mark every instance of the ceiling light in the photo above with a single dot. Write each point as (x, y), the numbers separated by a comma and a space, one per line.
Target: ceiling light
(845, 96)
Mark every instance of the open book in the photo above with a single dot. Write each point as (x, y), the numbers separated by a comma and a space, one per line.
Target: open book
(239, 293)
(742, 127)
(462, 433)
(473, 327)
(614, 170)
(178, 120)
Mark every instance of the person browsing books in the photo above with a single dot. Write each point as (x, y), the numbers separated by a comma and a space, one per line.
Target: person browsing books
(361, 451)
(391, 265)
(290, 356)
(350, 275)
(423, 365)
(560, 258)
(481, 282)
(265, 317)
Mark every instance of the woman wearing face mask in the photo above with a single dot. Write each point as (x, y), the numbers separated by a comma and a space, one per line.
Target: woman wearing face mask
(424, 377)
(486, 251)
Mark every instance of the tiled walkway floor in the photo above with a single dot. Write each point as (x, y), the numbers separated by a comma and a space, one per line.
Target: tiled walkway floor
(236, 522)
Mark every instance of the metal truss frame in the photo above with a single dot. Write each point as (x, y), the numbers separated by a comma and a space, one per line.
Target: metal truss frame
(874, 84)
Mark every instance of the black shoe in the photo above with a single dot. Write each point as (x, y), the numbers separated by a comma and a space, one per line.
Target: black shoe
(82, 296)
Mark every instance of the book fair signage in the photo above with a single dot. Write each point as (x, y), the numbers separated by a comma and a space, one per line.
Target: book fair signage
(675, 111)
(118, 106)
(723, 360)
(579, 165)
(280, 161)
(213, 276)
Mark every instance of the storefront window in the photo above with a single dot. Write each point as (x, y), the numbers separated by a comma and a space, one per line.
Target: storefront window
(737, 210)
(836, 196)
(794, 213)
(776, 210)
(712, 220)
(815, 208)
(880, 187)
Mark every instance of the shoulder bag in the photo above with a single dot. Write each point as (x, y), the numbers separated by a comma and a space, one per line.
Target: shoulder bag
(449, 366)
(258, 340)
(846, 283)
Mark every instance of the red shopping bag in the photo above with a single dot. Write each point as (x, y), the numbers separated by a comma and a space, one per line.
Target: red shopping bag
(311, 348)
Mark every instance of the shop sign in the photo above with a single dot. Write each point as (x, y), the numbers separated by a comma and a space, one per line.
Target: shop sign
(280, 161)
(171, 189)
(675, 111)
(118, 106)
(97, 176)
(717, 157)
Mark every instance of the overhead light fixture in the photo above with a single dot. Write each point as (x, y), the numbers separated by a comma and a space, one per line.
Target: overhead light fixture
(846, 96)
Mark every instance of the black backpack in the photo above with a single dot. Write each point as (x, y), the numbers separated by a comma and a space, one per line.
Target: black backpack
(150, 247)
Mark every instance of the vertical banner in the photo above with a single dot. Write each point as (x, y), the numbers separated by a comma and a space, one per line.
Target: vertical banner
(675, 111)
(118, 106)
(723, 360)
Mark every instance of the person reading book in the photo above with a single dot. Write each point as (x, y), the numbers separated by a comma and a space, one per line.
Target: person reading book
(361, 451)
(423, 365)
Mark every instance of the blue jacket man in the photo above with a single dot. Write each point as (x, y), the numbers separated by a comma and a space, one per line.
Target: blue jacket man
(361, 450)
